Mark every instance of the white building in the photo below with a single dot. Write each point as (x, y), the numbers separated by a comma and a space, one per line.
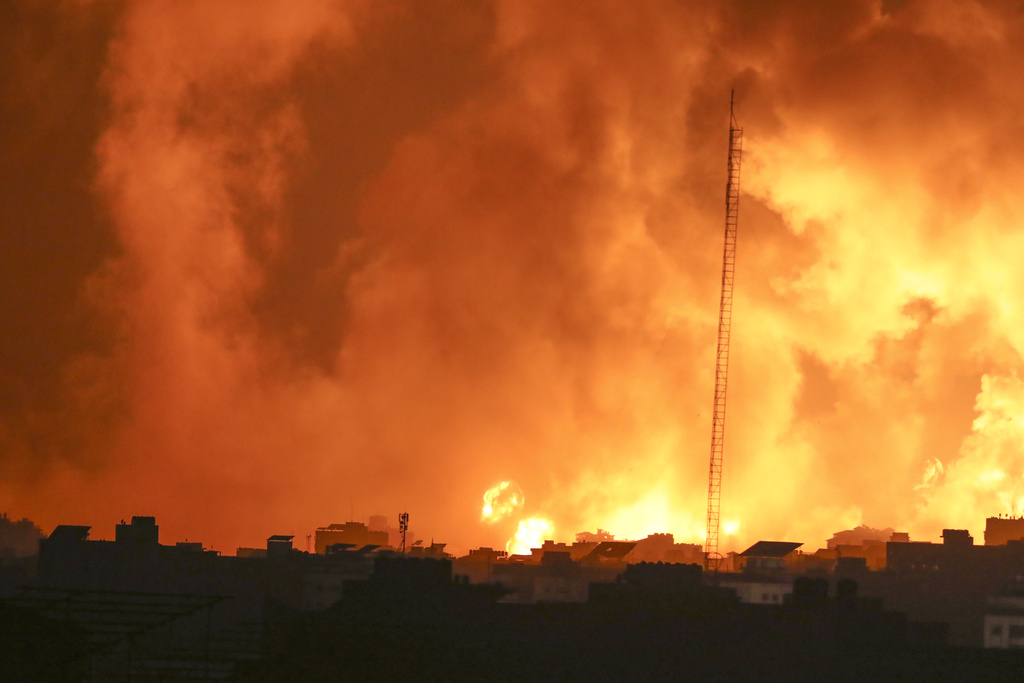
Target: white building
(759, 590)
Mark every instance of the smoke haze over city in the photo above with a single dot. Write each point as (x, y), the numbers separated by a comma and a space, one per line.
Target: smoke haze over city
(270, 265)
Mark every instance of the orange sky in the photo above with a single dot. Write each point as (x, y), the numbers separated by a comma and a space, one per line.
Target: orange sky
(268, 265)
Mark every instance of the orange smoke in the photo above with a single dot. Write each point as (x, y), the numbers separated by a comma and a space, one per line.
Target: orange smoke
(378, 259)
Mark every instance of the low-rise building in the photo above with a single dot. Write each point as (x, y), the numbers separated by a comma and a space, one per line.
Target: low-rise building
(355, 534)
(1001, 530)
(767, 557)
(1004, 622)
(757, 590)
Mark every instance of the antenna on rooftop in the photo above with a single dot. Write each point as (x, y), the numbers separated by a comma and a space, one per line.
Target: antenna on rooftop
(403, 527)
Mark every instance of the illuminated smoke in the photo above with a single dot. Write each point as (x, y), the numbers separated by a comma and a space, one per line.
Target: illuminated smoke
(532, 533)
(391, 252)
(989, 475)
(933, 471)
(501, 501)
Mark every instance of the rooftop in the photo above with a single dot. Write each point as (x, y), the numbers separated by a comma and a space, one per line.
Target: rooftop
(770, 549)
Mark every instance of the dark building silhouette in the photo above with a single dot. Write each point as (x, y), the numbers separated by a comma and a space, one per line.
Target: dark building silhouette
(953, 582)
(658, 547)
(135, 608)
(279, 545)
(555, 572)
(142, 532)
(40, 649)
(414, 620)
(663, 548)
(18, 538)
(433, 550)
(1002, 530)
(19, 547)
(144, 605)
(858, 535)
(956, 552)
(355, 534)
(478, 564)
(870, 554)
(861, 546)
(556, 578)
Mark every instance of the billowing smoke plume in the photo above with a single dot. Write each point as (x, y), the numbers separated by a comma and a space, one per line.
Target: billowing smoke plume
(363, 257)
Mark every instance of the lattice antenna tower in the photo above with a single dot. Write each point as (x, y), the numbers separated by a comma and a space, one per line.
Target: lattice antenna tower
(732, 212)
(403, 527)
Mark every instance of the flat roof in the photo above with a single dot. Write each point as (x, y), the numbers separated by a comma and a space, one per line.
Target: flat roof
(75, 531)
(612, 550)
(770, 549)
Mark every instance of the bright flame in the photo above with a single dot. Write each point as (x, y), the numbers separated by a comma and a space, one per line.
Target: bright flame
(530, 534)
(730, 527)
(501, 501)
(654, 512)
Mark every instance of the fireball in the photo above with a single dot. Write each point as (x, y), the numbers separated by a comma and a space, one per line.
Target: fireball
(501, 501)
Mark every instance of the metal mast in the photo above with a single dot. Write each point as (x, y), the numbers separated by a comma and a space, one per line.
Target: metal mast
(403, 527)
(732, 211)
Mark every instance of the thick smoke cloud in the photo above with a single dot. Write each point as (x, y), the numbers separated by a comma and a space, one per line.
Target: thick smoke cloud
(345, 258)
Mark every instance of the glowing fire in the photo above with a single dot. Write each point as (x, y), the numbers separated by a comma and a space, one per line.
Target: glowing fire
(501, 501)
(560, 332)
(656, 511)
(530, 534)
